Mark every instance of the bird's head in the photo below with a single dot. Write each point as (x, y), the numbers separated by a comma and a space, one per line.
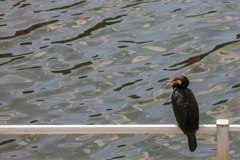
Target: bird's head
(180, 82)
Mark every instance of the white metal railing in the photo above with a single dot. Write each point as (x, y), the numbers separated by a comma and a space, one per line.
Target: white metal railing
(221, 128)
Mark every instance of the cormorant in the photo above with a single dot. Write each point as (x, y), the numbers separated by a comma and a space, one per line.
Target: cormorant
(186, 110)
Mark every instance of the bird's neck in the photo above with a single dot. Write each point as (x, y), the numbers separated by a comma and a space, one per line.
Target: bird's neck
(174, 86)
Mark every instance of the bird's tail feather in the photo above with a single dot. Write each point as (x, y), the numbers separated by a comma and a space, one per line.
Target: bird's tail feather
(192, 142)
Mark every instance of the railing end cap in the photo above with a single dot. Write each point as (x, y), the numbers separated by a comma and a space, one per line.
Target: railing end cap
(222, 122)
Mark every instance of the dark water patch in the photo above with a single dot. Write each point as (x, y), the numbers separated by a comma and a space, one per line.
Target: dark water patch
(63, 12)
(33, 67)
(67, 71)
(122, 145)
(117, 157)
(122, 46)
(238, 36)
(96, 57)
(12, 60)
(167, 103)
(202, 14)
(6, 55)
(34, 147)
(3, 25)
(147, 63)
(42, 47)
(52, 58)
(28, 92)
(60, 8)
(168, 54)
(25, 43)
(134, 96)
(12, 57)
(236, 86)
(220, 102)
(33, 121)
(56, 16)
(24, 5)
(29, 29)
(96, 115)
(127, 84)
(125, 41)
(18, 4)
(188, 62)
(179, 9)
(133, 4)
(7, 142)
(192, 60)
(104, 23)
(163, 80)
(82, 77)
(149, 89)
(76, 14)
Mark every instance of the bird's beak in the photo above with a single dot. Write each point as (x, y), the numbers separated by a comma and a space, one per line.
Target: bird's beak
(174, 81)
(168, 81)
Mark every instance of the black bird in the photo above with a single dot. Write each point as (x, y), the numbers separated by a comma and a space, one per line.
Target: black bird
(186, 110)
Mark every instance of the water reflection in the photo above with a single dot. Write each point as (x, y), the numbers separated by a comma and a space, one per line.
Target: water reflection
(104, 23)
(28, 30)
(195, 59)
(106, 62)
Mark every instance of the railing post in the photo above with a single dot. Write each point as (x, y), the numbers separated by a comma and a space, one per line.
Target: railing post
(222, 139)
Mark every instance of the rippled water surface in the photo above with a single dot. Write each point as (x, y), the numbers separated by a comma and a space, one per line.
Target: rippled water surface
(106, 62)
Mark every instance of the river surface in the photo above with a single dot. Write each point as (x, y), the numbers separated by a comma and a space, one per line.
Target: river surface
(106, 62)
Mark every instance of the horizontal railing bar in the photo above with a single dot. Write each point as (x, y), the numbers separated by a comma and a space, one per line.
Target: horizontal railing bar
(234, 129)
(108, 129)
(100, 129)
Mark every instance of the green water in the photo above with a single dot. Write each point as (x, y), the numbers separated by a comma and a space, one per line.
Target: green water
(106, 62)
